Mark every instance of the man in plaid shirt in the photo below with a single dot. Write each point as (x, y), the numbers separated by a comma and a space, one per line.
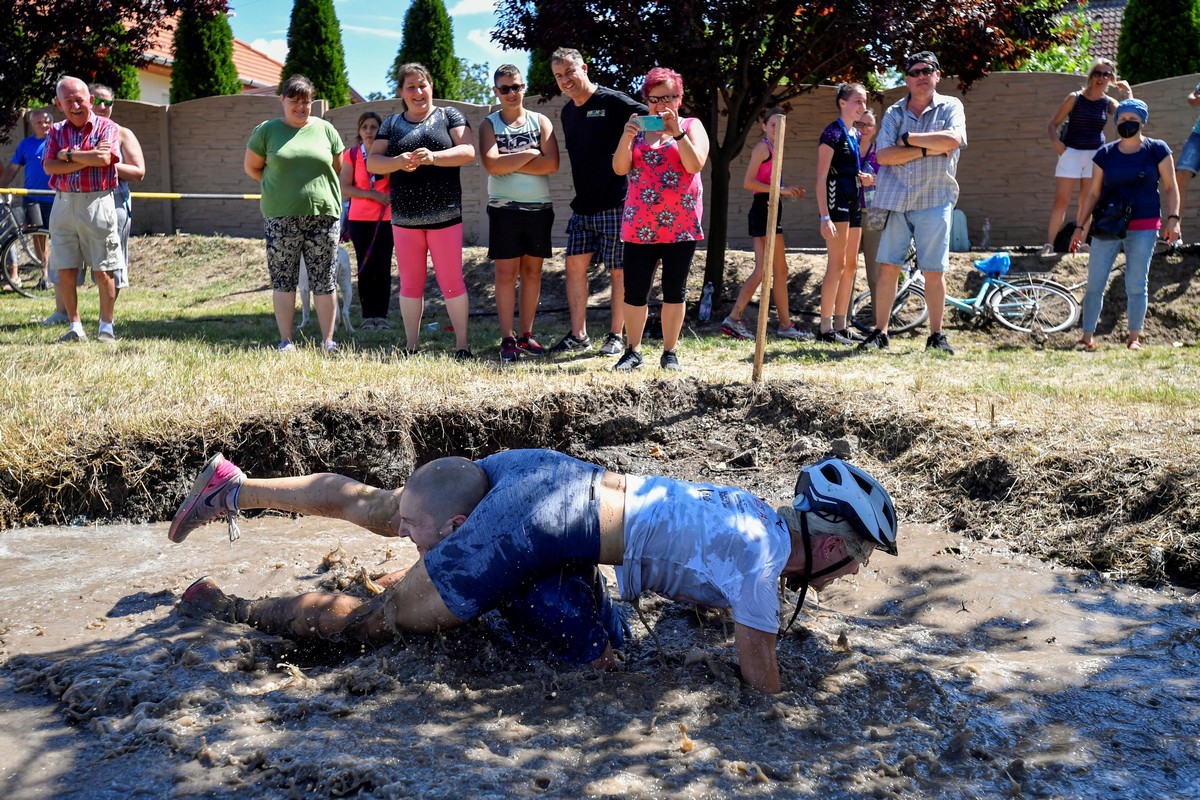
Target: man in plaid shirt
(919, 140)
(81, 159)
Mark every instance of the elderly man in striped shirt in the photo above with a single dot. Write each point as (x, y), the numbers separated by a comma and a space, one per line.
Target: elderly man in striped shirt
(81, 159)
(919, 141)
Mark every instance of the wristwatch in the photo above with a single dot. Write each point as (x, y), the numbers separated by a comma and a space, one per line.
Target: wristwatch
(904, 138)
(69, 149)
(680, 136)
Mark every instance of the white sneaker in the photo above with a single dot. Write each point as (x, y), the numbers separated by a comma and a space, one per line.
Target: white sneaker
(795, 333)
(1047, 250)
(57, 318)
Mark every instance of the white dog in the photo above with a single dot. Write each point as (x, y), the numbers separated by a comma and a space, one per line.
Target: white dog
(343, 289)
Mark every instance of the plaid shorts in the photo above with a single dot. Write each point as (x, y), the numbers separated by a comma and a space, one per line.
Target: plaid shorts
(599, 234)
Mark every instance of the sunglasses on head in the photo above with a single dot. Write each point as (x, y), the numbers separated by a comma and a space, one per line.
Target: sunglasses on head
(96, 101)
(916, 73)
(1099, 74)
(515, 87)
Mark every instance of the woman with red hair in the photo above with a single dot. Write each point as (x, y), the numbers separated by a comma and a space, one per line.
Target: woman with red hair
(663, 154)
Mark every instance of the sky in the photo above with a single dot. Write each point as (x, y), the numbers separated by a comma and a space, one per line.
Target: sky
(371, 34)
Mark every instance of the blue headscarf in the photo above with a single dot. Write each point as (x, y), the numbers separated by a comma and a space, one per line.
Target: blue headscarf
(1135, 106)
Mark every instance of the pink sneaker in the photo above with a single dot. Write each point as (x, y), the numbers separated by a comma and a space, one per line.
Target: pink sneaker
(204, 599)
(209, 499)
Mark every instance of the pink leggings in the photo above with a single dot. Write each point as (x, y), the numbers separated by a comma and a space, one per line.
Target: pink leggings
(444, 244)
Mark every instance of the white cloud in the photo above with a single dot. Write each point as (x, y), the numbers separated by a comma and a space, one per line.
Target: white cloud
(464, 7)
(482, 38)
(275, 48)
(382, 32)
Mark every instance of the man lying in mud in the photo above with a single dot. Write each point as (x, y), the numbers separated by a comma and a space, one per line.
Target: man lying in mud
(714, 545)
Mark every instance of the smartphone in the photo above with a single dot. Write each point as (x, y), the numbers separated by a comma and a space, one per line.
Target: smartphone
(650, 122)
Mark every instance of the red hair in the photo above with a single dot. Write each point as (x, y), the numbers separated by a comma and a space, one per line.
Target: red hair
(657, 77)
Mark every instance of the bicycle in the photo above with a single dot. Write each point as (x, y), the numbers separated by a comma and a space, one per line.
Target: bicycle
(23, 269)
(1024, 305)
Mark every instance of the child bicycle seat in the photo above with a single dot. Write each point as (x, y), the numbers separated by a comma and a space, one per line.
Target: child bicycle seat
(994, 266)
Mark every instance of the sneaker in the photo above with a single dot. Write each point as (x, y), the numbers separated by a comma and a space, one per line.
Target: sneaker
(381, 324)
(570, 344)
(529, 345)
(1047, 250)
(833, 337)
(72, 336)
(368, 324)
(792, 333)
(876, 340)
(204, 599)
(463, 354)
(508, 349)
(209, 499)
(614, 345)
(852, 335)
(57, 318)
(736, 328)
(630, 361)
(670, 361)
(331, 348)
(938, 341)
(285, 347)
(107, 337)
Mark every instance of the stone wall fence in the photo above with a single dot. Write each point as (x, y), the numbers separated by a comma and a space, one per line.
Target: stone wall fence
(1006, 172)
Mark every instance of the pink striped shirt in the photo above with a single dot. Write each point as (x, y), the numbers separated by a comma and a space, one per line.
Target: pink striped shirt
(90, 179)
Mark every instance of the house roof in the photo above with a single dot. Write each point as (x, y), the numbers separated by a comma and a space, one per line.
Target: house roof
(1109, 13)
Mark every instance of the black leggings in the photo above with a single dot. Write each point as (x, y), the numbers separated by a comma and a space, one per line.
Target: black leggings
(640, 261)
(374, 271)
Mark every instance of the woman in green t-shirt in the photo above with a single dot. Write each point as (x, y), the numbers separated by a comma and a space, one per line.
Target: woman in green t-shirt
(297, 158)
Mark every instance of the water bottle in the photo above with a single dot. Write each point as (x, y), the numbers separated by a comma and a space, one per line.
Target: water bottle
(706, 302)
(868, 191)
(987, 233)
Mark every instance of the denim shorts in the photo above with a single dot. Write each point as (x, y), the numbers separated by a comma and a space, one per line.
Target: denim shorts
(541, 516)
(929, 228)
(1189, 159)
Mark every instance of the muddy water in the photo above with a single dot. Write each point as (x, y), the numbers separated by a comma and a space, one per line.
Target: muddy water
(956, 671)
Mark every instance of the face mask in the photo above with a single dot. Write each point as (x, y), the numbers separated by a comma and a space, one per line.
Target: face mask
(1128, 129)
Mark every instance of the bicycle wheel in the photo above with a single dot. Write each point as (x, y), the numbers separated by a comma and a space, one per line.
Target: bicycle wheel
(1028, 304)
(908, 312)
(21, 261)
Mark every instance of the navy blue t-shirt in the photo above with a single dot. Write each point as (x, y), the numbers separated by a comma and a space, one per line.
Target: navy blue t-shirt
(1135, 175)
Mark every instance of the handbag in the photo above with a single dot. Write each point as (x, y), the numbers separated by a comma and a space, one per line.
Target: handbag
(1110, 217)
(876, 218)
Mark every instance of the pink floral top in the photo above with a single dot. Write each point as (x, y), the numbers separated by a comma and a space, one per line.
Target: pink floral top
(664, 202)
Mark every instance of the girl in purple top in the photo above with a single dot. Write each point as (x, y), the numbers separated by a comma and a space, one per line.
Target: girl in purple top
(1085, 112)
(838, 183)
(663, 206)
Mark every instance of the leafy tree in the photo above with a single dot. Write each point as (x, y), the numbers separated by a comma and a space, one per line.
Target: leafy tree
(37, 45)
(739, 56)
(1159, 39)
(476, 84)
(428, 39)
(315, 50)
(1073, 53)
(541, 74)
(203, 59)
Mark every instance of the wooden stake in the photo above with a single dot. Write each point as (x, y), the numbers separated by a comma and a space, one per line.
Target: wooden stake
(764, 293)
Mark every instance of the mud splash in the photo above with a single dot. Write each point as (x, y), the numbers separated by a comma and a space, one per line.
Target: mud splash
(960, 669)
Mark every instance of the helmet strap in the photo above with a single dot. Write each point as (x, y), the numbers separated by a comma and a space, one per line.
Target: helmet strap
(809, 575)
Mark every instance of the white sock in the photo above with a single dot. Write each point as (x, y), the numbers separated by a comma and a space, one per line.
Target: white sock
(839, 322)
(77, 327)
(826, 324)
(106, 327)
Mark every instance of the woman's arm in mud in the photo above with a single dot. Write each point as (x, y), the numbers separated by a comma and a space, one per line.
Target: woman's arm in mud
(325, 494)
(756, 656)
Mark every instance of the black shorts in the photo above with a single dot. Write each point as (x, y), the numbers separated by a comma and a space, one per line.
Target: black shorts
(841, 192)
(757, 218)
(513, 232)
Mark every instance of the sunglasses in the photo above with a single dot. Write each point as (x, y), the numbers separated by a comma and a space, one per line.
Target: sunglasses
(917, 73)
(516, 87)
(1105, 75)
(863, 125)
(662, 98)
(96, 101)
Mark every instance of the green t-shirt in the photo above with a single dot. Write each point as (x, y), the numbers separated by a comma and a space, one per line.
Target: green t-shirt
(298, 180)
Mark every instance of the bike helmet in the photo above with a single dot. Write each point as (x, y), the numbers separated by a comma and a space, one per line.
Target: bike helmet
(834, 488)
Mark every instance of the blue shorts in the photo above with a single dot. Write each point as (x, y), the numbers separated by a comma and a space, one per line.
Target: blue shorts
(542, 515)
(1189, 158)
(599, 234)
(929, 228)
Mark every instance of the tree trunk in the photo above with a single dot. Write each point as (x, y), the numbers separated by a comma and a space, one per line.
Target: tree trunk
(718, 222)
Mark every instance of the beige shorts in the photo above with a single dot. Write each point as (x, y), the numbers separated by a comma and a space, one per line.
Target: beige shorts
(84, 232)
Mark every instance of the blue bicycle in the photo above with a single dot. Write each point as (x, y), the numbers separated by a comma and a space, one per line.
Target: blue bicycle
(1027, 304)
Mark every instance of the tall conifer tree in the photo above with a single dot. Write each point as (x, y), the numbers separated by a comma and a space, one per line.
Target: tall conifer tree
(315, 50)
(203, 58)
(428, 39)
